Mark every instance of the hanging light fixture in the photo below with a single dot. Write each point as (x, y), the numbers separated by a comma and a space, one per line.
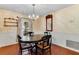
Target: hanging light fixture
(33, 16)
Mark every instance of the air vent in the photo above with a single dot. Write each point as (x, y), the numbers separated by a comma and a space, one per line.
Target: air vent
(72, 44)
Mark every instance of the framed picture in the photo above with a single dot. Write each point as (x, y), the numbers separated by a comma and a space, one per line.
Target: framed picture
(49, 23)
(26, 25)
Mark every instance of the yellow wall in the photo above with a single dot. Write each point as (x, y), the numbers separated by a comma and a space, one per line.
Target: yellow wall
(39, 25)
(8, 35)
(67, 20)
(7, 14)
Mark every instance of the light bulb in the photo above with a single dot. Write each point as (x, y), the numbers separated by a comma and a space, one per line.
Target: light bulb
(37, 16)
(33, 15)
(29, 16)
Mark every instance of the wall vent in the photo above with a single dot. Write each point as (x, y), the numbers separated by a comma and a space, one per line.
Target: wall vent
(72, 44)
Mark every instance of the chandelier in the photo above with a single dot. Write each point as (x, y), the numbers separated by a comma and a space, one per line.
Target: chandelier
(33, 16)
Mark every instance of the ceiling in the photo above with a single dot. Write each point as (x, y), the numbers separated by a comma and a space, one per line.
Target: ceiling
(40, 9)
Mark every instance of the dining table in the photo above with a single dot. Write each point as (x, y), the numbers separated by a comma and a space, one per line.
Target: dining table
(34, 39)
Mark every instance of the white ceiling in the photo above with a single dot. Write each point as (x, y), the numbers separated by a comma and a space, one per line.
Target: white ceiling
(40, 9)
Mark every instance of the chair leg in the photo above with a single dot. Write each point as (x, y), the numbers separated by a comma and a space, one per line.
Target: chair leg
(30, 51)
(50, 50)
(41, 52)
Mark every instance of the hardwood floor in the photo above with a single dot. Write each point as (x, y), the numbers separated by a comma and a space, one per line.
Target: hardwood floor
(56, 50)
(9, 50)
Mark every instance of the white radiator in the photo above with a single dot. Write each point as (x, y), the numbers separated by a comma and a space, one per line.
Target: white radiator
(72, 44)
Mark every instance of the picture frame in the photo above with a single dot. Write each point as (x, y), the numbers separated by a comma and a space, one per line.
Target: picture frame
(26, 25)
(49, 23)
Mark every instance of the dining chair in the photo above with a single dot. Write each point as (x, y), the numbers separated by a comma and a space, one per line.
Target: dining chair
(47, 33)
(31, 33)
(25, 47)
(44, 46)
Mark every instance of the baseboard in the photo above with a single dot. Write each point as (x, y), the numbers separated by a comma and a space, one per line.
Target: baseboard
(9, 49)
(66, 48)
(8, 44)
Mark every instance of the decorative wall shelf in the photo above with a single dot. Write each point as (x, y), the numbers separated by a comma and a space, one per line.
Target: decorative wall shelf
(10, 22)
